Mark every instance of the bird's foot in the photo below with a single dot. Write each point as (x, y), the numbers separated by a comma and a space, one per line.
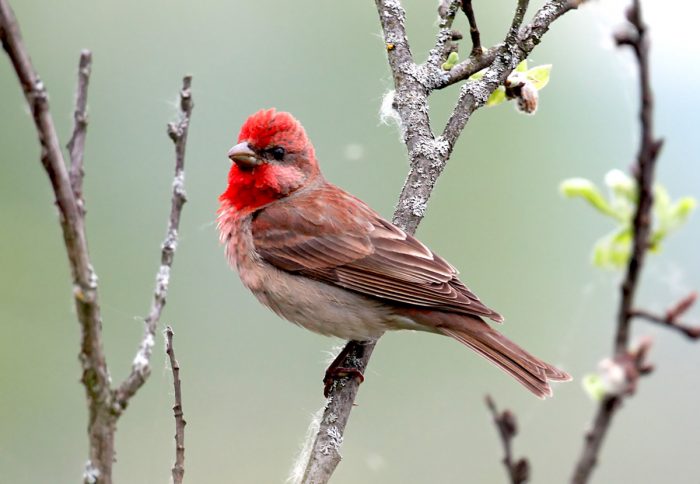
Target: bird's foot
(334, 374)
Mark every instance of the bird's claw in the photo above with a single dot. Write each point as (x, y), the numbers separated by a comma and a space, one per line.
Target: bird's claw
(334, 374)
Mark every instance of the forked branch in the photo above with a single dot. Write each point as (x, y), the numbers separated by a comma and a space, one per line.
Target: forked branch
(428, 155)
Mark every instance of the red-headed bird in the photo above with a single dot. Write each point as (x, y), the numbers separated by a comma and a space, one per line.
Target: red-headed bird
(324, 260)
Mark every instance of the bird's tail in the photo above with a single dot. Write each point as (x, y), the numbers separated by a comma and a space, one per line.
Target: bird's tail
(533, 373)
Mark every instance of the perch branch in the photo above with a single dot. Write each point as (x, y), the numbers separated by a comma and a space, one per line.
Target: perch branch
(178, 470)
(141, 366)
(428, 156)
(507, 425)
(76, 144)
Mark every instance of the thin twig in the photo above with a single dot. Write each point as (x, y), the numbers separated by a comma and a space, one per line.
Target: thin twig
(105, 405)
(507, 425)
(428, 156)
(178, 470)
(473, 28)
(649, 147)
(140, 368)
(644, 172)
(76, 144)
(670, 320)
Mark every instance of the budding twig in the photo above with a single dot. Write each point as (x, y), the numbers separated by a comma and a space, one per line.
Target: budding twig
(670, 320)
(635, 36)
(507, 425)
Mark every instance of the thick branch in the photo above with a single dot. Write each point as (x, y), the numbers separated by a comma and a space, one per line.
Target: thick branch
(141, 369)
(178, 470)
(76, 144)
(428, 156)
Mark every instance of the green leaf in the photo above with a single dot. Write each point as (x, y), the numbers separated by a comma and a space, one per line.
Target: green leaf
(623, 190)
(522, 67)
(477, 75)
(662, 200)
(682, 209)
(539, 75)
(614, 250)
(580, 187)
(594, 387)
(620, 183)
(497, 97)
(451, 61)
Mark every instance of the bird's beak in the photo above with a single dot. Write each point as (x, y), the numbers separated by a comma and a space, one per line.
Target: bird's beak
(243, 156)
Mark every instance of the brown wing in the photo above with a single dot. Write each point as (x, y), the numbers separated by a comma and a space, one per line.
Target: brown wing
(333, 237)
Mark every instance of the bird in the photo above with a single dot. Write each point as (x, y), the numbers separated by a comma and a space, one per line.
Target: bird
(323, 259)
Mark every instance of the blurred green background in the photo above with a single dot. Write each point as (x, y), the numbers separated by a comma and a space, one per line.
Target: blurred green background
(250, 380)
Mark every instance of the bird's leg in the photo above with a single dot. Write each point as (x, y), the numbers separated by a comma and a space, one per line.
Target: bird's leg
(336, 370)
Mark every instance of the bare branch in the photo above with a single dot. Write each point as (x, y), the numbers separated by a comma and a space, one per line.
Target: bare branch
(473, 28)
(670, 320)
(76, 144)
(507, 425)
(428, 156)
(95, 376)
(179, 467)
(444, 43)
(140, 369)
(105, 405)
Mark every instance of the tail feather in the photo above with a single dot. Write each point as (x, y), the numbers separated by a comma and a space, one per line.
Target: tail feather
(533, 373)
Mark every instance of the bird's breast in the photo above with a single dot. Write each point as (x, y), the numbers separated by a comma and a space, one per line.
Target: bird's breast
(317, 306)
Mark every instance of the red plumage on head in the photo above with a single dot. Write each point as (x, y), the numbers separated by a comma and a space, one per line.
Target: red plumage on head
(250, 189)
(268, 128)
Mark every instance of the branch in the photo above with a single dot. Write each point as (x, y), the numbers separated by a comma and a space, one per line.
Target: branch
(179, 466)
(473, 28)
(517, 46)
(636, 37)
(140, 368)
(507, 425)
(95, 376)
(105, 405)
(670, 320)
(644, 172)
(428, 156)
(76, 144)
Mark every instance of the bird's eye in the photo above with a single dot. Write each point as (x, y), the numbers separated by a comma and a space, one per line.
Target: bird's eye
(277, 152)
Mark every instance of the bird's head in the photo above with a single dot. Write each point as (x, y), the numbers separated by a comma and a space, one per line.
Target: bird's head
(273, 159)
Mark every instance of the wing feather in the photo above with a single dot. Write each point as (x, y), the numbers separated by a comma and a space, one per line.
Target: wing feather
(329, 235)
